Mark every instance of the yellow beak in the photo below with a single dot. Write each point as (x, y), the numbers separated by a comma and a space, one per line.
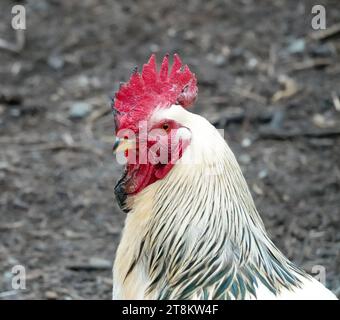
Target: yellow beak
(123, 145)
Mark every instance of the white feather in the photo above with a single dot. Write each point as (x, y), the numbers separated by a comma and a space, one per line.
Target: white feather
(207, 171)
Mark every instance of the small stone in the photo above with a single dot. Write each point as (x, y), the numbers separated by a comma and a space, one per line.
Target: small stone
(14, 112)
(252, 63)
(278, 119)
(245, 158)
(172, 32)
(13, 261)
(218, 60)
(189, 35)
(257, 189)
(246, 142)
(297, 46)
(100, 263)
(82, 82)
(3, 165)
(8, 275)
(79, 110)
(225, 51)
(323, 50)
(55, 62)
(51, 295)
(286, 197)
(154, 47)
(54, 97)
(16, 68)
(321, 121)
(263, 174)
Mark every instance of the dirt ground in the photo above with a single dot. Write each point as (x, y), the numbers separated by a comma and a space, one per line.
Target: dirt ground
(265, 76)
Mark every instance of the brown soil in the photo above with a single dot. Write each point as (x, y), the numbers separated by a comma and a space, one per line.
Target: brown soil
(58, 216)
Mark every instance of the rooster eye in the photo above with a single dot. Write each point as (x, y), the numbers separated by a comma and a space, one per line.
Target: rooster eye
(166, 127)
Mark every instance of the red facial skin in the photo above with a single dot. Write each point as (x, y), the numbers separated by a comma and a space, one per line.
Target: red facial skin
(139, 176)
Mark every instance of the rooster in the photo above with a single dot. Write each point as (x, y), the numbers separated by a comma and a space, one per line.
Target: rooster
(192, 230)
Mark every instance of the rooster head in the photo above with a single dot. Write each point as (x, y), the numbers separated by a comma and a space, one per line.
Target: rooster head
(150, 123)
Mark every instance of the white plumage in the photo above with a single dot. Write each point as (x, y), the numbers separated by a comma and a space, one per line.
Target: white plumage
(196, 234)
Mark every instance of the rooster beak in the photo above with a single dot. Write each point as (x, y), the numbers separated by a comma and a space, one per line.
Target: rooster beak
(122, 144)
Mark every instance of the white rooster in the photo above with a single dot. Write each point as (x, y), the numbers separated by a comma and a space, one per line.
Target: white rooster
(192, 230)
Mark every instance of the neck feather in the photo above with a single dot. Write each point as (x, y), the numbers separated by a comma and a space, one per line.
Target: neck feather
(205, 238)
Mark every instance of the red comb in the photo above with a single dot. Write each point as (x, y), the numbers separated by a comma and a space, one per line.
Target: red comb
(149, 90)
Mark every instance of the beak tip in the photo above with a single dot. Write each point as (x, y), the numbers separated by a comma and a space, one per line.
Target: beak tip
(116, 144)
(122, 145)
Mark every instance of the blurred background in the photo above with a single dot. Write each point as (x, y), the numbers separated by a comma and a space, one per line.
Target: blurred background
(265, 76)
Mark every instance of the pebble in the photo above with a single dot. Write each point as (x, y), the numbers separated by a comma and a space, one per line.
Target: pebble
(245, 158)
(79, 110)
(263, 174)
(154, 47)
(16, 68)
(321, 121)
(13, 261)
(252, 63)
(3, 165)
(246, 142)
(8, 275)
(297, 46)
(14, 112)
(189, 35)
(217, 59)
(100, 263)
(220, 60)
(278, 119)
(323, 50)
(55, 62)
(51, 295)
(172, 32)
